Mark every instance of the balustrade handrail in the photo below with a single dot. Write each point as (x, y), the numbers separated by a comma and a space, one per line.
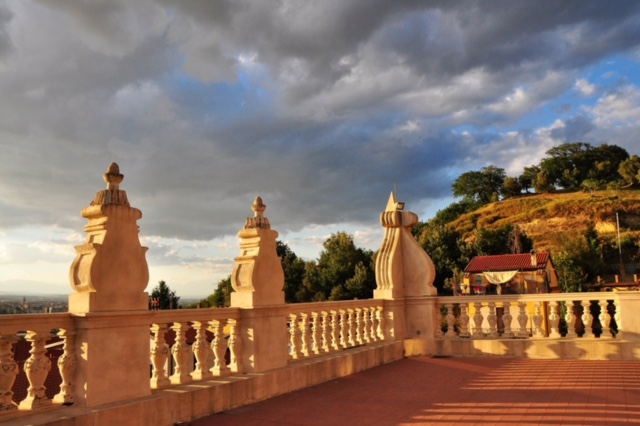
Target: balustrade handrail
(186, 315)
(332, 305)
(12, 324)
(541, 297)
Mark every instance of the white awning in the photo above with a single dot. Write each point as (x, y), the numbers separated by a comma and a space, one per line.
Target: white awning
(499, 277)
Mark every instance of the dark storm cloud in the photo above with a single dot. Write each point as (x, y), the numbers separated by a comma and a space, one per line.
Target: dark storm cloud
(319, 107)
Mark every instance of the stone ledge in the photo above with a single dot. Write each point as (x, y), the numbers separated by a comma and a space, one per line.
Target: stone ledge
(584, 349)
(198, 399)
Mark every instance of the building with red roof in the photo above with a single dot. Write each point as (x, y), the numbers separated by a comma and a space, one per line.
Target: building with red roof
(510, 274)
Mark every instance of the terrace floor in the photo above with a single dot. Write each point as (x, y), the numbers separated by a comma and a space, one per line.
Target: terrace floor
(460, 391)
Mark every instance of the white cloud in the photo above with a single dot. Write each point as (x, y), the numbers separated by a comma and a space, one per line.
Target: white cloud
(584, 87)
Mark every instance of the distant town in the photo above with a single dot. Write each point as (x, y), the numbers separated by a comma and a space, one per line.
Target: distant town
(32, 304)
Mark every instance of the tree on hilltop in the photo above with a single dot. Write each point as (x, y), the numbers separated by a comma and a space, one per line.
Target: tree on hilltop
(480, 185)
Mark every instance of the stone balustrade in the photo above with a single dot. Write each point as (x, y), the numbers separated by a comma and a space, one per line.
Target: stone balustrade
(535, 316)
(36, 331)
(208, 346)
(322, 328)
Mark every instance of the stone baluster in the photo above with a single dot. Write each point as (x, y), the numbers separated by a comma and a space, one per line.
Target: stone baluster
(159, 356)
(366, 325)
(36, 367)
(326, 332)
(373, 336)
(181, 355)
(201, 350)
(8, 372)
(293, 337)
(351, 333)
(304, 334)
(380, 322)
(451, 321)
(605, 319)
(506, 320)
(315, 335)
(537, 320)
(235, 346)
(587, 319)
(570, 319)
(477, 320)
(554, 320)
(219, 348)
(335, 330)
(67, 367)
(359, 326)
(492, 319)
(343, 329)
(437, 325)
(464, 320)
(618, 318)
(523, 319)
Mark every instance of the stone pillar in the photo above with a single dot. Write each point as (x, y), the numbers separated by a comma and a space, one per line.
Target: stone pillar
(109, 275)
(258, 281)
(404, 277)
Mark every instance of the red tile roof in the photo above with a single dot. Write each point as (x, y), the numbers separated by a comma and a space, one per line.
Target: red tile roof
(507, 262)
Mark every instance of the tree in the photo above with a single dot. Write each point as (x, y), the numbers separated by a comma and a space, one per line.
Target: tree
(294, 271)
(442, 244)
(162, 297)
(629, 170)
(542, 184)
(528, 176)
(511, 187)
(342, 272)
(479, 185)
(592, 185)
(570, 276)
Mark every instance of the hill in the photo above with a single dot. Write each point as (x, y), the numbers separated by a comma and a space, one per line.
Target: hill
(546, 217)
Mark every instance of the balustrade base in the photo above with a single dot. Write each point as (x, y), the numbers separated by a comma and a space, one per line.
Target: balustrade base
(578, 348)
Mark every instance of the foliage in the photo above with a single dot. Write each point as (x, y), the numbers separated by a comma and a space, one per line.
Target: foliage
(511, 187)
(480, 185)
(162, 297)
(629, 170)
(442, 243)
(294, 271)
(570, 164)
(570, 276)
(592, 185)
(343, 271)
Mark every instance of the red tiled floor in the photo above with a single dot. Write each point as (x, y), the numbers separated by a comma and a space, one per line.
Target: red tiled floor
(473, 391)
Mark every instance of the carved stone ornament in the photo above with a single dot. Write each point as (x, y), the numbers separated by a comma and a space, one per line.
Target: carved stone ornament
(111, 264)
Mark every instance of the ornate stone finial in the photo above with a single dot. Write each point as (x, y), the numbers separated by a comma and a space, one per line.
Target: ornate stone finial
(113, 177)
(258, 220)
(258, 207)
(113, 194)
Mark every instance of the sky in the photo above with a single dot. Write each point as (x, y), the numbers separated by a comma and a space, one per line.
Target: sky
(318, 107)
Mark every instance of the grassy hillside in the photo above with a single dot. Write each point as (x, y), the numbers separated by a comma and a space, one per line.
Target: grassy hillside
(545, 217)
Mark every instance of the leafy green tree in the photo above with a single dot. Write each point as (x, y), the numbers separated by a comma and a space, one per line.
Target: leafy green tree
(592, 185)
(511, 187)
(294, 271)
(479, 185)
(528, 176)
(629, 170)
(607, 159)
(442, 243)
(542, 184)
(570, 276)
(343, 271)
(162, 297)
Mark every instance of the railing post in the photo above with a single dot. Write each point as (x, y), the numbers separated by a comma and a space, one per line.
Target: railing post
(109, 275)
(258, 280)
(626, 315)
(404, 278)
